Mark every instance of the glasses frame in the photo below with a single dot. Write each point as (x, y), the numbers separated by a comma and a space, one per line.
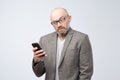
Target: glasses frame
(61, 20)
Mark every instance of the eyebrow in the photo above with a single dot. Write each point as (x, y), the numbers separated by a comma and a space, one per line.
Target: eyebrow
(58, 19)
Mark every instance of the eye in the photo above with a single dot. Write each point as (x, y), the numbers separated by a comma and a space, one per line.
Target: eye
(55, 22)
(62, 19)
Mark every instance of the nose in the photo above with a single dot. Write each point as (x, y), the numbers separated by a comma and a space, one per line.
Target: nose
(59, 24)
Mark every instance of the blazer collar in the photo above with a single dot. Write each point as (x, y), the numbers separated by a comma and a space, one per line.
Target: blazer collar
(54, 46)
(66, 44)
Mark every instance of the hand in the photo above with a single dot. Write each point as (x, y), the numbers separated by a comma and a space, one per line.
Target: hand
(38, 55)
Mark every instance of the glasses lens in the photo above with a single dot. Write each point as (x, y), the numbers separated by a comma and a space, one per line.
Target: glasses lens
(61, 20)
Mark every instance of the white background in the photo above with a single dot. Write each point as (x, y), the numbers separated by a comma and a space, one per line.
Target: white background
(25, 21)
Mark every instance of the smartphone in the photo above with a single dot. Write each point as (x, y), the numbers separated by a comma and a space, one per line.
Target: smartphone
(36, 45)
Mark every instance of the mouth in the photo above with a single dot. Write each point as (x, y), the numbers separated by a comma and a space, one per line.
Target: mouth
(60, 28)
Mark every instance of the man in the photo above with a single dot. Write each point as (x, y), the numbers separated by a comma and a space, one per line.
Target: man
(67, 53)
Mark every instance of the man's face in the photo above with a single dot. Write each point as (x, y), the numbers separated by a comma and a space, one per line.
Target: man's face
(60, 22)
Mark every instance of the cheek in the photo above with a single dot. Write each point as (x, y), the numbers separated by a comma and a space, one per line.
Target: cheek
(66, 25)
(55, 27)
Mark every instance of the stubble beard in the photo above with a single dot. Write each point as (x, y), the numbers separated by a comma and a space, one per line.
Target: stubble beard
(63, 33)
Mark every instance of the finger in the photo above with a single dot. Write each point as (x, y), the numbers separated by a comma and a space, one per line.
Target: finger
(38, 52)
(39, 55)
(41, 51)
(42, 54)
(34, 49)
(45, 55)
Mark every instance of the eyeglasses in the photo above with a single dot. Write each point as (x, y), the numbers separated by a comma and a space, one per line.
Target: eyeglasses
(61, 20)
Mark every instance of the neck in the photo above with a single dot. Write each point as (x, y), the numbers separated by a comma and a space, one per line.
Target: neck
(62, 37)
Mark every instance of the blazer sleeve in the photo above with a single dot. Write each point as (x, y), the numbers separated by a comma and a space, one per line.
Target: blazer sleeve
(85, 60)
(38, 68)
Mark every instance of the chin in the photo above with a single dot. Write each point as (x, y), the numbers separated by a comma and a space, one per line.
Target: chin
(61, 33)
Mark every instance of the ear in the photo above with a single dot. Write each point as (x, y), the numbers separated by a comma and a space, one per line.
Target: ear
(70, 17)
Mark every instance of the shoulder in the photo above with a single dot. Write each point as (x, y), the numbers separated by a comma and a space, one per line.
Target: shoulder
(48, 36)
(81, 38)
(79, 35)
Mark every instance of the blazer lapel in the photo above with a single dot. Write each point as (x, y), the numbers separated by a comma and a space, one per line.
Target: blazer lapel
(66, 44)
(53, 47)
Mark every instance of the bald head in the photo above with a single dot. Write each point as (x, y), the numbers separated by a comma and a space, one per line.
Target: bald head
(58, 12)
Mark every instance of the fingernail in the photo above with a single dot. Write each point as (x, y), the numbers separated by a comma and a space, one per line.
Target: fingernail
(45, 54)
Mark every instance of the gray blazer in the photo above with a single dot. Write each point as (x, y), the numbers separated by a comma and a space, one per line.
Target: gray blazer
(76, 61)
